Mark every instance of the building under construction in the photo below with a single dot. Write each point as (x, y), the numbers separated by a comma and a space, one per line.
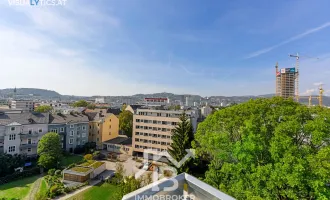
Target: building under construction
(286, 82)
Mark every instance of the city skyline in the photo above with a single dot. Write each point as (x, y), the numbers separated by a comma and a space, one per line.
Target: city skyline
(115, 48)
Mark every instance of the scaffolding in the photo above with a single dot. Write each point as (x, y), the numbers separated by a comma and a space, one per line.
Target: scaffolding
(286, 82)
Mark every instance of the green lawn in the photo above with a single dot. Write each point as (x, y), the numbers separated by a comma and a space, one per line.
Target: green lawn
(103, 191)
(43, 187)
(67, 160)
(17, 189)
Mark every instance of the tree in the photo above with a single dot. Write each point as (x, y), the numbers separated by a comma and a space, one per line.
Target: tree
(182, 136)
(81, 103)
(8, 163)
(268, 149)
(123, 107)
(49, 150)
(43, 109)
(126, 122)
(90, 106)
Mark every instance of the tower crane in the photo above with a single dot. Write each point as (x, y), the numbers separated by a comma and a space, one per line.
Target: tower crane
(297, 56)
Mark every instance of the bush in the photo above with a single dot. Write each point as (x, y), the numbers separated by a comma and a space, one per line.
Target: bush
(51, 172)
(19, 175)
(88, 157)
(40, 196)
(72, 165)
(79, 150)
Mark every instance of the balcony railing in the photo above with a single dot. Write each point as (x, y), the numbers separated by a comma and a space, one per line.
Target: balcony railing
(23, 146)
(28, 135)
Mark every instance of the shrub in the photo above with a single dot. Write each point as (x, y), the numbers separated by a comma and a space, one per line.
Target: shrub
(19, 175)
(51, 172)
(40, 196)
(88, 157)
(72, 165)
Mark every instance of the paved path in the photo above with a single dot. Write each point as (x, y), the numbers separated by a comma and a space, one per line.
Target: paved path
(34, 189)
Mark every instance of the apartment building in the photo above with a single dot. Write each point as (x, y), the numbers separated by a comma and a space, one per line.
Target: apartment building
(152, 128)
(73, 129)
(103, 126)
(20, 132)
(25, 105)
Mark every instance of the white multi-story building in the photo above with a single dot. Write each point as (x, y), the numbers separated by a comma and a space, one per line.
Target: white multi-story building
(99, 100)
(21, 132)
(152, 128)
(206, 110)
(156, 101)
(25, 105)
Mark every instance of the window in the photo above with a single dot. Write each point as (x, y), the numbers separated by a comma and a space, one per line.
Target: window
(71, 133)
(54, 130)
(34, 142)
(62, 129)
(83, 141)
(78, 128)
(12, 128)
(62, 138)
(11, 149)
(30, 131)
(12, 137)
(110, 126)
(90, 127)
(71, 141)
(62, 145)
(29, 149)
(71, 126)
(83, 128)
(83, 134)
(78, 142)
(97, 139)
(137, 120)
(109, 133)
(29, 141)
(40, 130)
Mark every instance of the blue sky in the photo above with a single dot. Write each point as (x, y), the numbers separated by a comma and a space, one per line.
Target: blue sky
(123, 47)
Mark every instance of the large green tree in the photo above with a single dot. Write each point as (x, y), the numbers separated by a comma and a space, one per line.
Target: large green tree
(182, 136)
(43, 109)
(81, 103)
(126, 122)
(49, 150)
(268, 149)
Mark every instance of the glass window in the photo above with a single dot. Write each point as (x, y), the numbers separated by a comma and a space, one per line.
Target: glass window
(11, 148)
(12, 137)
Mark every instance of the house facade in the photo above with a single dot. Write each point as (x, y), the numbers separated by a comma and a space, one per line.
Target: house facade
(103, 126)
(73, 129)
(21, 132)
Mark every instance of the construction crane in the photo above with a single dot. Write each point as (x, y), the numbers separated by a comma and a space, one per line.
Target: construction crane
(320, 97)
(297, 56)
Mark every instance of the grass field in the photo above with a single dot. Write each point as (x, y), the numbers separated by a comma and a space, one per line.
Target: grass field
(103, 191)
(67, 160)
(43, 187)
(17, 189)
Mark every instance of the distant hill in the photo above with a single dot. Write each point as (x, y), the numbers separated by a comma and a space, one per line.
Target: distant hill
(30, 92)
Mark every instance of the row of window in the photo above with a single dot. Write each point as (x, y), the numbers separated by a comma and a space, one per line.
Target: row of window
(159, 114)
(153, 128)
(152, 142)
(154, 135)
(13, 128)
(151, 148)
(156, 122)
(71, 132)
(71, 141)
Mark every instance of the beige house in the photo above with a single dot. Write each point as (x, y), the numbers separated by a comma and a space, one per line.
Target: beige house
(152, 128)
(103, 126)
(133, 108)
(119, 145)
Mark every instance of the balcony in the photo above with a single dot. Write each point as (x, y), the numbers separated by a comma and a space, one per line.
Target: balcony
(24, 146)
(29, 135)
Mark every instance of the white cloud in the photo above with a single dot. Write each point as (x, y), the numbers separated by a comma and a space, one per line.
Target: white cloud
(299, 36)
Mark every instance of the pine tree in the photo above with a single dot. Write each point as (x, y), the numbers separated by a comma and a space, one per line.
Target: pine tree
(182, 136)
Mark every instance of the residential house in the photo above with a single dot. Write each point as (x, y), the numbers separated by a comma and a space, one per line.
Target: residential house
(119, 145)
(20, 132)
(73, 129)
(103, 126)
